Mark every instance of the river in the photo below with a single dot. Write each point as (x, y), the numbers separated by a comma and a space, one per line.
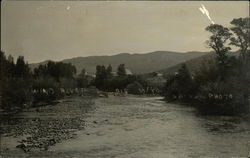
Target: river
(148, 127)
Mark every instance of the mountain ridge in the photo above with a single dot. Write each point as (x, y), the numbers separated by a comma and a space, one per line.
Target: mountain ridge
(137, 63)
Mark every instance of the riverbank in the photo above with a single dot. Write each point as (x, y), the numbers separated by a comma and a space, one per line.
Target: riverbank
(35, 129)
(214, 108)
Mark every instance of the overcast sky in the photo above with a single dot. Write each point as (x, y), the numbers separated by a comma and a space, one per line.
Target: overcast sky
(64, 29)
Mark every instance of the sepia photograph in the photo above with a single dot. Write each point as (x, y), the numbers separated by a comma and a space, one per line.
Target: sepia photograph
(124, 79)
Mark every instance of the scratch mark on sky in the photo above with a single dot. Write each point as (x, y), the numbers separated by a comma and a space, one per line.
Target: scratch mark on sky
(206, 12)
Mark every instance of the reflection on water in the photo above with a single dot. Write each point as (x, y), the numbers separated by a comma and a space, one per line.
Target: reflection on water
(225, 125)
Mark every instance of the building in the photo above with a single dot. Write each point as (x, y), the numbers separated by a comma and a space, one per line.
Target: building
(128, 72)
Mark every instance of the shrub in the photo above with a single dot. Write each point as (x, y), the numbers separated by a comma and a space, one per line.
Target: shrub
(230, 97)
(133, 88)
(16, 93)
(45, 83)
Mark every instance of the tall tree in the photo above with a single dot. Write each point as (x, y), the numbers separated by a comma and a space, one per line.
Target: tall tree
(121, 71)
(241, 29)
(100, 76)
(241, 39)
(184, 80)
(217, 41)
(109, 71)
(22, 68)
(83, 73)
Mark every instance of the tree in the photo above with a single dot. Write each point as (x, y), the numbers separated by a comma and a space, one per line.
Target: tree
(207, 72)
(217, 41)
(169, 89)
(180, 85)
(241, 29)
(241, 39)
(7, 66)
(83, 73)
(109, 71)
(226, 77)
(184, 80)
(40, 71)
(22, 68)
(55, 69)
(101, 75)
(15, 82)
(121, 71)
(82, 80)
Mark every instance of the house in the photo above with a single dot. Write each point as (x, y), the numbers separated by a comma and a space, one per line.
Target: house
(159, 74)
(128, 72)
(156, 74)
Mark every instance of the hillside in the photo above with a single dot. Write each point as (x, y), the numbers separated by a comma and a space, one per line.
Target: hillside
(193, 64)
(137, 63)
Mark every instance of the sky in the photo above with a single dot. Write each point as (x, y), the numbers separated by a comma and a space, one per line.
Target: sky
(56, 30)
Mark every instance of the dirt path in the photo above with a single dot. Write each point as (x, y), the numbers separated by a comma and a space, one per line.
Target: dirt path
(147, 127)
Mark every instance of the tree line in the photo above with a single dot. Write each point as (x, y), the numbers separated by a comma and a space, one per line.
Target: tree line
(220, 85)
(20, 87)
(108, 80)
(15, 81)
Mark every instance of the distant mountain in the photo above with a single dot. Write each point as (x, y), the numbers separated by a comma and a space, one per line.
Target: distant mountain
(137, 63)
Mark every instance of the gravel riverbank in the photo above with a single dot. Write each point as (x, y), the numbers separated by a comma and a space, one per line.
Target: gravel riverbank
(38, 128)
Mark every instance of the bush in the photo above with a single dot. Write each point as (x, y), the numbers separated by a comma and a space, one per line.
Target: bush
(134, 88)
(45, 83)
(180, 86)
(230, 97)
(16, 93)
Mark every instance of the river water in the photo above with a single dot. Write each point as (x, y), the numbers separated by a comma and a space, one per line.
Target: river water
(148, 127)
